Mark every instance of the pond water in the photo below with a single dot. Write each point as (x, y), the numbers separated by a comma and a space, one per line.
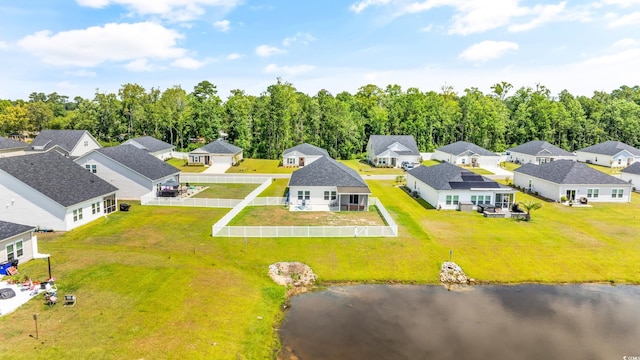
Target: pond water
(479, 322)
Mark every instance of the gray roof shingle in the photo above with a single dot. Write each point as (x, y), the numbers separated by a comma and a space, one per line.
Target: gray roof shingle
(139, 161)
(66, 139)
(9, 229)
(307, 149)
(539, 147)
(219, 147)
(380, 143)
(569, 172)
(610, 148)
(446, 176)
(151, 144)
(632, 169)
(327, 172)
(460, 147)
(8, 144)
(56, 177)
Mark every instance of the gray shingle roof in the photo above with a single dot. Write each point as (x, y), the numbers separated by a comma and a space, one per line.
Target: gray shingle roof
(568, 172)
(327, 172)
(66, 139)
(446, 176)
(632, 169)
(380, 143)
(460, 147)
(539, 147)
(307, 149)
(219, 147)
(610, 148)
(9, 229)
(7, 144)
(151, 144)
(139, 161)
(56, 177)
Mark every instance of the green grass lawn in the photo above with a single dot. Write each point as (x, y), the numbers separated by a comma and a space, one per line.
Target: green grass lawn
(152, 282)
(430, 162)
(260, 166)
(181, 164)
(281, 216)
(226, 191)
(606, 170)
(479, 171)
(278, 188)
(509, 165)
(364, 168)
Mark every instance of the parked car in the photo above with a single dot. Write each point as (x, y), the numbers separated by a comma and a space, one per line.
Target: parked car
(407, 165)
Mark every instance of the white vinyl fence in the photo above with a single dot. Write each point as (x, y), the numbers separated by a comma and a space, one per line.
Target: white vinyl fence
(217, 179)
(221, 230)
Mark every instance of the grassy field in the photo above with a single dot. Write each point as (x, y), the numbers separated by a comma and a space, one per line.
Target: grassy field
(260, 166)
(364, 168)
(226, 191)
(479, 171)
(430, 162)
(181, 164)
(281, 216)
(152, 282)
(277, 189)
(606, 170)
(509, 165)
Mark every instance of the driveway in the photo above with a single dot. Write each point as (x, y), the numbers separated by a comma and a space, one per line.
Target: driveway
(216, 169)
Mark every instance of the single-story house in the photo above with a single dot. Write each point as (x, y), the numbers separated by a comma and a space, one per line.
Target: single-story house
(70, 143)
(17, 242)
(215, 153)
(466, 153)
(134, 171)
(609, 153)
(538, 152)
(153, 146)
(303, 154)
(446, 186)
(10, 147)
(50, 191)
(327, 185)
(631, 174)
(392, 150)
(573, 180)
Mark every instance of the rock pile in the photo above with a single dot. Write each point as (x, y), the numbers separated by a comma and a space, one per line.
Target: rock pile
(292, 274)
(451, 273)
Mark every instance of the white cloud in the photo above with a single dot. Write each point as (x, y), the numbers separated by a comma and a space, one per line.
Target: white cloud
(629, 55)
(628, 42)
(141, 65)
(234, 56)
(222, 25)
(267, 50)
(361, 5)
(98, 44)
(288, 70)
(629, 19)
(81, 73)
(188, 63)
(300, 37)
(3, 45)
(488, 50)
(176, 10)
(545, 14)
(622, 3)
(427, 28)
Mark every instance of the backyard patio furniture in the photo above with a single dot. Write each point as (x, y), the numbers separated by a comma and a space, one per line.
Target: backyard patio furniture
(50, 299)
(69, 300)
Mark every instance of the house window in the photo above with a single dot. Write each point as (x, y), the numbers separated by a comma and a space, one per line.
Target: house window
(617, 193)
(291, 161)
(300, 194)
(15, 250)
(326, 195)
(592, 193)
(91, 167)
(95, 208)
(77, 214)
(473, 199)
(448, 200)
(86, 143)
(329, 195)
(463, 161)
(109, 204)
(304, 195)
(196, 159)
(619, 161)
(455, 199)
(353, 199)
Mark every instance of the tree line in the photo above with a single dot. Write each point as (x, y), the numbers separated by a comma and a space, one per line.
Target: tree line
(282, 117)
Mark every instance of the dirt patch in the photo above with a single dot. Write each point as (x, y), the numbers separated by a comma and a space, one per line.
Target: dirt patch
(294, 274)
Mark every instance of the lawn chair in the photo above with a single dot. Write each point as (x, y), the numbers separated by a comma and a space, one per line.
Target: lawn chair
(69, 300)
(50, 299)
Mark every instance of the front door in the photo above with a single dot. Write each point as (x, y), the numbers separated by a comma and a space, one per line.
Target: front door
(474, 162)
(207, 160)
(301, 161)
(393, 162)
(571, 194)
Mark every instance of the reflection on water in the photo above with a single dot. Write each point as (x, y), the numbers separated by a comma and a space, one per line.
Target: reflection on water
(481, 322)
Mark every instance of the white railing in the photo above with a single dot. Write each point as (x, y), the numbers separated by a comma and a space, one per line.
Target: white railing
(205, 179)
(269, 201)
(391, 230)
(192, 202)
(236, 209)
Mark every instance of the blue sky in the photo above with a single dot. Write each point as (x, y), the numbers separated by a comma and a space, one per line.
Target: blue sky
(75, 47)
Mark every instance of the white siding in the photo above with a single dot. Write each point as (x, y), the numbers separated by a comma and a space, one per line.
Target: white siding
(555, 191)
(633, 179)
(86, 144)
(526, 158)
(296, 155)
(316, 195)
(87, 215)
(27, 246)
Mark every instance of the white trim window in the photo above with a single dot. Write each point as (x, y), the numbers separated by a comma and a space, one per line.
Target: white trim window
(593, 193)
(617, 193)
(330, 195)
(95, 208)
(291, 161)
(77, 214)
(15, 250)
(91, 167)
(304, 195)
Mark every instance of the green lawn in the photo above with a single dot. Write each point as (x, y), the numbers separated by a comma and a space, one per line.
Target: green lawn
(606, 170)
(430, 162)
(260, 166)
(509, 165)
(226, 191)
(281, 216)
(278, 188)
(479, 171)
(182, 165)
(152, 282)
(364, 168)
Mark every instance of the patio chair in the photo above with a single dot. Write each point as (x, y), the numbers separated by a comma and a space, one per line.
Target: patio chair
(50, 299)
(69, 300)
